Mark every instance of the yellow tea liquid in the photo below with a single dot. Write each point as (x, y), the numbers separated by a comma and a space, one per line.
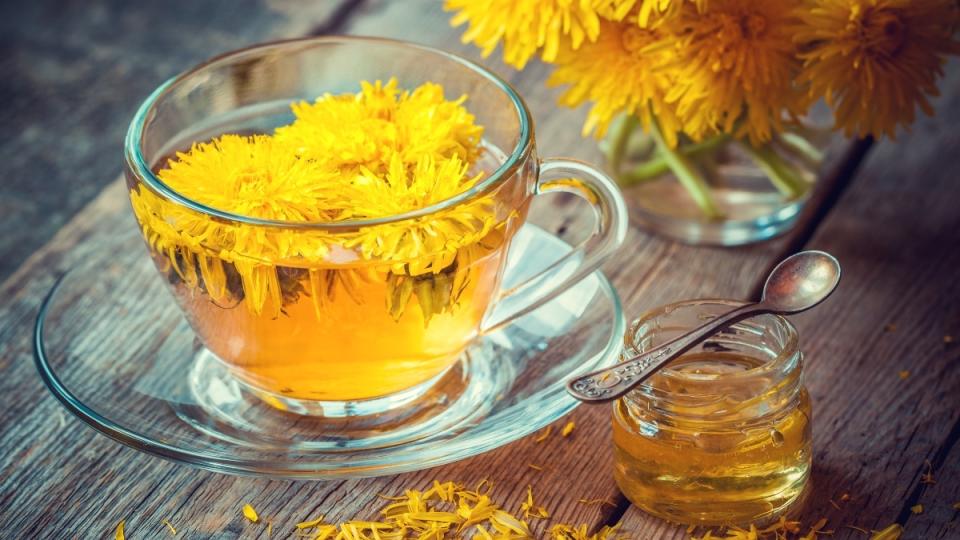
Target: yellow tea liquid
(338, 323)
(346, 333)
(734, 471)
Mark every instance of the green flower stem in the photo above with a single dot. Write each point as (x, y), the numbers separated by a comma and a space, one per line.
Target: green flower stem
(657, 165)
(687, 174)
(621, 138)
(781, 173)
(802, 147)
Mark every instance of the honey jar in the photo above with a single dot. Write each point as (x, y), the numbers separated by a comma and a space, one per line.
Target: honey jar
(722, 435)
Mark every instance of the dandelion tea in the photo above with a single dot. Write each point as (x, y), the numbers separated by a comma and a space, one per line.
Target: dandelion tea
(347, 313)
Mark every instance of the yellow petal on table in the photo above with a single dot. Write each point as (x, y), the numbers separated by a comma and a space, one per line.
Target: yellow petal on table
(250, 513)
(310, 524)
(892, 532)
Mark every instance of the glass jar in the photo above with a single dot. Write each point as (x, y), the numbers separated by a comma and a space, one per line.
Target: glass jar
(722, 436)
(720, 191)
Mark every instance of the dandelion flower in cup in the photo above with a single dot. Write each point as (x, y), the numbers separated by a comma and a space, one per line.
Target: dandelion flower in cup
(365, 130)
(667, 8)
(524, 26)
(734, 67)
(876, 61)
(618, 75)
(254, 176)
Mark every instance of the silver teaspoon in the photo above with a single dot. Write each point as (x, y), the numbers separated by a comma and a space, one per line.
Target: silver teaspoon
(798, 283)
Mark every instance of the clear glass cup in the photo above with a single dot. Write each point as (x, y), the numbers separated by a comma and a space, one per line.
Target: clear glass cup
(722, 436)
(335, 324)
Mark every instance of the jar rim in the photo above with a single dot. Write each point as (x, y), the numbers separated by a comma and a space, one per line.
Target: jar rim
(785, 360)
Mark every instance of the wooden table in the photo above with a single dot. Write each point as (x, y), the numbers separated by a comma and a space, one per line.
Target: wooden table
(890, 212)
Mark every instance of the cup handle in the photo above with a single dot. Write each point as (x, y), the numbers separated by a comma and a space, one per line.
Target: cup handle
(589, 183)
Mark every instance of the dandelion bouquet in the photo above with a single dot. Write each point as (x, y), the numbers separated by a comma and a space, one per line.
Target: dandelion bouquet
(699, 75)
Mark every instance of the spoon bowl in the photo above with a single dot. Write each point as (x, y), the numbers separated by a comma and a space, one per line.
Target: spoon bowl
(800, 282)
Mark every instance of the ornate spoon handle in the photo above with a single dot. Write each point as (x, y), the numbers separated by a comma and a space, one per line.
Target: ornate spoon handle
(612, 382)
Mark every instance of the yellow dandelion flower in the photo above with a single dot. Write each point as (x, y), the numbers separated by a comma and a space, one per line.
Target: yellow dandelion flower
(348, 130)
(431, 126)
(876, 61)
(365, 130)
(524, 26)
(423, 245)
(254, 176)
(249, 176)
(402, 189)
(734, 68)
(651, 8)
(618, 74)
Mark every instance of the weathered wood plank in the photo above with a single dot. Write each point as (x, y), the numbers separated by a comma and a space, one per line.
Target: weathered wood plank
(73, 74)
(53, 459)
(940, 516)
(896, 234)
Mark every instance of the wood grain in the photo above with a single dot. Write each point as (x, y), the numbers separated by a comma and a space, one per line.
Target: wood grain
(895, 231)
(73, 73)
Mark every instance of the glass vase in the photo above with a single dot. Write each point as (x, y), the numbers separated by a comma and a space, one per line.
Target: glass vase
(720, 191)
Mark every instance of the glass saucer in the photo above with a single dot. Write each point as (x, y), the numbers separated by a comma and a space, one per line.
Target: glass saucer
(114, 348)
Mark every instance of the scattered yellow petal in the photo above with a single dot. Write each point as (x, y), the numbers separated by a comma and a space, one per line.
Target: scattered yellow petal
(543, 435)
(904, 374)
(531, 509)
(310, 524)
(568, 429)
(173, 532)
(892, 532)
(535, 467)
(917, 509)
(484, 484)
(845, 497)
(250, 513)
(119, 535)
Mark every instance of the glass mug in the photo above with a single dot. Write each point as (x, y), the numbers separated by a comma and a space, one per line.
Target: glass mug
(322, 312)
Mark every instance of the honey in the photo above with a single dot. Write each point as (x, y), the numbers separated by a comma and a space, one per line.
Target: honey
(723, 435)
